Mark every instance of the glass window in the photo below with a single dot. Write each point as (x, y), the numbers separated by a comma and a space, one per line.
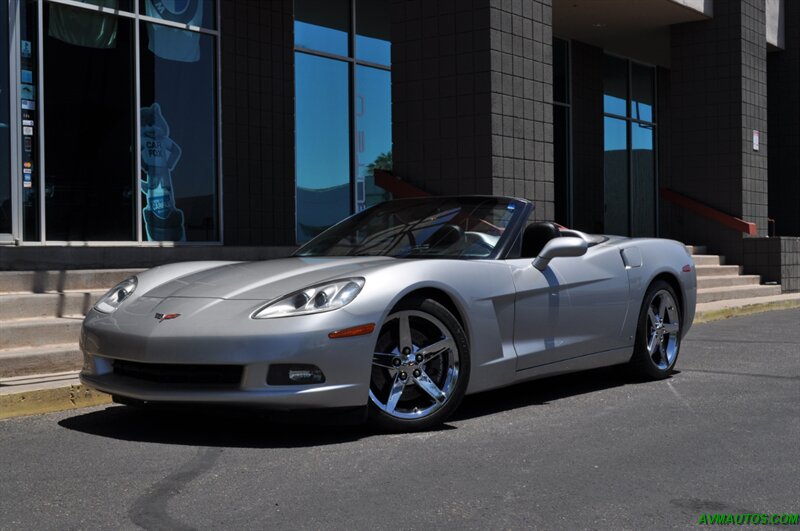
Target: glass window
(178, 135)
(89, 184)
(560, 70)
(615, 144)
(5, 146)
(200, 13)
(630, 173)
(642, 92)
(322, 25)
(615, 86)
(343, 128)
(561, 163)
(122, 5)
(323, 147)
(372, 31)
(373, 110)
(642, 180)
(29, 152)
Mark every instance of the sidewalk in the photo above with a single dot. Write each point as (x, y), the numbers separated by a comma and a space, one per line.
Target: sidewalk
(47, 393)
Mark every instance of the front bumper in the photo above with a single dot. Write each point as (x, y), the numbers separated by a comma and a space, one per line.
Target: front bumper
(220, 332)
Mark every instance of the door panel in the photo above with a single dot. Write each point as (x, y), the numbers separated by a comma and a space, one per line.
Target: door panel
(575, 307)
(541, 308)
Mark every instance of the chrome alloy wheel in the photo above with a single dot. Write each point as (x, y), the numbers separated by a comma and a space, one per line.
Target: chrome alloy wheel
(415, 366)
(663, 329)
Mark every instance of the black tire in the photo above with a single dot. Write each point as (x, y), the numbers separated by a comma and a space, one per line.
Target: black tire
(427, 316)
(647, 363)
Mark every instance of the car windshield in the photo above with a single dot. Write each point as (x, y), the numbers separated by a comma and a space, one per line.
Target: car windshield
(446, 227)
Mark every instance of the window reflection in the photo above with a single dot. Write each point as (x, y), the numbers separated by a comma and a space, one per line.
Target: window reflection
(122, 5)
(561, 70)
(90, 186)
(5, 153)
(178, 135)
(642, 180)
(343, 131)
(629, 168)
(192, 12)
(642, 92)
(615, 169)
(561, 164)
(373, 109)
(615, 86)
(28, 69)
(372, 31)
(323, 148)
(322, 25)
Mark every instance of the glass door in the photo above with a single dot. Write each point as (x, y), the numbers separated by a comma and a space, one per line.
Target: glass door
(629, 166)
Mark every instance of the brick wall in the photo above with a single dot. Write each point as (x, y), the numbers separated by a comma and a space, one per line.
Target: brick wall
(718, 97)
(472, 97)
(257, 122)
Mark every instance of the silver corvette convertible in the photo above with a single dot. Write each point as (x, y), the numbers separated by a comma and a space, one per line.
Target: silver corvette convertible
(395, 314)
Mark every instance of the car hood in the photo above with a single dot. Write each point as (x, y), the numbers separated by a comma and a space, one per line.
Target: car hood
(264, 280)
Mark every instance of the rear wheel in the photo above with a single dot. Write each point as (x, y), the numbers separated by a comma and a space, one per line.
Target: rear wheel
(420, 367)
(658, 336)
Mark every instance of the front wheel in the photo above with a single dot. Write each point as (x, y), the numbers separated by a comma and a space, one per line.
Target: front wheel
(658, 336)
(420, 367)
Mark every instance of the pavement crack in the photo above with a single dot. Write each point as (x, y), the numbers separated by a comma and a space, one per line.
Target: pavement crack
(149, 511)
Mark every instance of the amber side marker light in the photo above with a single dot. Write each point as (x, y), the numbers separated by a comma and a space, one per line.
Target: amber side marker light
(360, 330)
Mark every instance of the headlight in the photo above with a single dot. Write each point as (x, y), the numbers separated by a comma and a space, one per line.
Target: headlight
(111, 300)
(321, 298)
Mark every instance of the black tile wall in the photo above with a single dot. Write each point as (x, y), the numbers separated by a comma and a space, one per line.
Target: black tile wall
(472, 97)
(718, 97)
(775, 259)
(257, 122)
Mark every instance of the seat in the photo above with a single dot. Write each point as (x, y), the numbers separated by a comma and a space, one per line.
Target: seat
(535, 237)
(445, 236)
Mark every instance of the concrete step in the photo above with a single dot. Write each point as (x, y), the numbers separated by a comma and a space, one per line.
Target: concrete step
(721, 309)
(696, 249)
(708, 259)
(718, 271)
(58, 281)
(29, 305)
(728, 280)
(39, 332)
(25, 361)
(736, 292)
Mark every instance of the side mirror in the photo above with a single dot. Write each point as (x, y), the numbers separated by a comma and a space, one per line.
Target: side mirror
(558, 247)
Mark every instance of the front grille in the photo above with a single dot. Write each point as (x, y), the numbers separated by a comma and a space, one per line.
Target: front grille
(175, 373)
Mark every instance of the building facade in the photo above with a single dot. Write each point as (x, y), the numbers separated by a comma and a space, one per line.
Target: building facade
(240, 128)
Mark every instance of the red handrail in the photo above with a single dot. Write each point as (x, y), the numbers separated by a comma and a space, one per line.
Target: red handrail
(399, 189)
(709, 212)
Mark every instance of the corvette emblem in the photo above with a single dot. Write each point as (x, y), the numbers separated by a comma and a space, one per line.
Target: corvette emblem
(166, 317)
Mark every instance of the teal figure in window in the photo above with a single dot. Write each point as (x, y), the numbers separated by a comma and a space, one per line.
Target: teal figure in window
(163, 221)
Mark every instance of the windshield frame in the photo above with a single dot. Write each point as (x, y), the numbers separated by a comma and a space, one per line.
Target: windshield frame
(522, 210)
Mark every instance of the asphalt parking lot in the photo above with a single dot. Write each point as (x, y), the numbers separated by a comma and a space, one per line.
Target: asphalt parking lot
(595, 450)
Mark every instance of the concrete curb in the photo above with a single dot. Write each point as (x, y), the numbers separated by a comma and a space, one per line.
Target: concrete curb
(726, 313)
(50, 400)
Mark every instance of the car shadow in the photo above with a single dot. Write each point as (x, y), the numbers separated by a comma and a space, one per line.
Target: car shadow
(544, 391)
(214, 428)
(248, 429)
